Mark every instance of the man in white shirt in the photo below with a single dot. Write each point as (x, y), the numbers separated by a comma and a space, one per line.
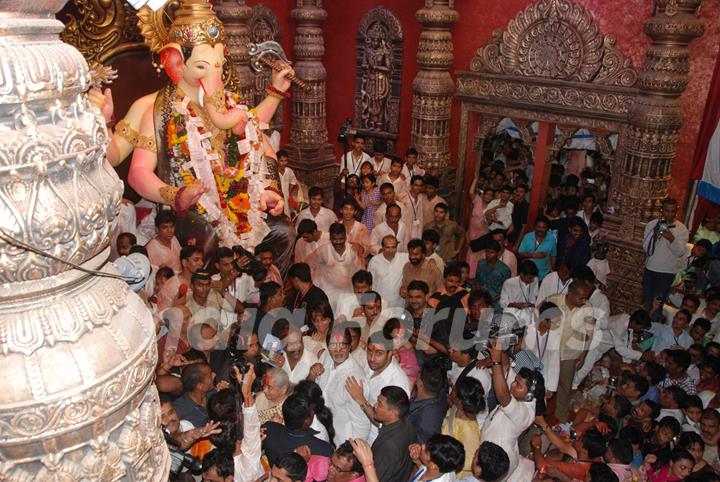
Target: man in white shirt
(392, 226)
(415, 208)
(309, 239)
(556, 282)
(411, 167)
(397, 179)
(388, 197)
(351, 162)
(618, 335)
(542, 339)
(380, 163)
(499, 212)
(382, 370)
(464, 357)
(333, 265)
(601, 312)
(349, 306)
(387, 271)
(296, 359)
(576, 330)
(164, 249)
(358, 236)
(289, 184)
(322, 216)
(518, 295)
(664, 241)
(331, 374)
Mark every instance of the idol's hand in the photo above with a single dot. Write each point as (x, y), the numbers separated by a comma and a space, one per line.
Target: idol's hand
(280, 79)
(272, 201)
(103, 101)
(190, 195)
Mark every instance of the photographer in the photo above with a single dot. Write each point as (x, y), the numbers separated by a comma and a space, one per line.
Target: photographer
(664, 241)
(180, 436)
(520, 399)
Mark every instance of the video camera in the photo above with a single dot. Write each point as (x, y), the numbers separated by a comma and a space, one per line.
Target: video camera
(254, 269)
(180, 459)
(504, 327)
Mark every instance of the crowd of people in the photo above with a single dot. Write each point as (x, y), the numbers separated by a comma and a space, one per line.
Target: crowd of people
(400, 344)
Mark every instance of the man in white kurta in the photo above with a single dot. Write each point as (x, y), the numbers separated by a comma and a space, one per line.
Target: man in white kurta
(382, 370)
(309, 239)
(391, 226)
(289, 184)
(337, 366)
(358, 236)
(296, 354)
(333, 265)
(603, 338)
(387, 272)
(389, 197)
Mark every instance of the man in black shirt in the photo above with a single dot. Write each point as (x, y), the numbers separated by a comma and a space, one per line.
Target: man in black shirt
(519, 214)
(390, 449)
(429, 405)
(283, 439)
(304, 295)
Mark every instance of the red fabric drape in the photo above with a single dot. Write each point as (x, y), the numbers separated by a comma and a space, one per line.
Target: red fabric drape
(707, 129)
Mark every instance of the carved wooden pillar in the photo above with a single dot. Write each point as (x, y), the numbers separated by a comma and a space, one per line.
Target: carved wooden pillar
(644, 165)
(310, 154)
(433, 87)
(235, 15)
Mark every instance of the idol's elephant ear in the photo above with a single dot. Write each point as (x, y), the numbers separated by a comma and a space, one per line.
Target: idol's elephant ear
(173, 61)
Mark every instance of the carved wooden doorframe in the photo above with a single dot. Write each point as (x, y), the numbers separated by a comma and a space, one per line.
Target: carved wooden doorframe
(486, 98)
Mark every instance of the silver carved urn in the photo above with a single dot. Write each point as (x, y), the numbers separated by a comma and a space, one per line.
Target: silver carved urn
(77, 351)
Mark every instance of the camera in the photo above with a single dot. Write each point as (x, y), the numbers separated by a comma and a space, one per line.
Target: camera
(600, 249)
(508, 338)
(662, 227)
(179, 459)
(612, 384)
(254, 269)
(345, 130)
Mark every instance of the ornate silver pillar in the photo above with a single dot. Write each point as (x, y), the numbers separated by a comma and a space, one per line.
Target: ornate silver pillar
(77, 351)
(311, 156)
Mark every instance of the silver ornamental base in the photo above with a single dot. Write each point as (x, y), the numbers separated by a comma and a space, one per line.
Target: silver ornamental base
(77, 352)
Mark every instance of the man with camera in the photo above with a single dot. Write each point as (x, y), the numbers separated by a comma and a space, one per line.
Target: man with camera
(664, 241)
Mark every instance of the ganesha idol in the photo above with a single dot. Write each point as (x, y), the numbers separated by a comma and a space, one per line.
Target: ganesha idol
(197, 147)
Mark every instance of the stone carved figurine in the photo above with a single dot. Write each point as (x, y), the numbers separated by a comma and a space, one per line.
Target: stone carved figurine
(199, 148)
(375, 86)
